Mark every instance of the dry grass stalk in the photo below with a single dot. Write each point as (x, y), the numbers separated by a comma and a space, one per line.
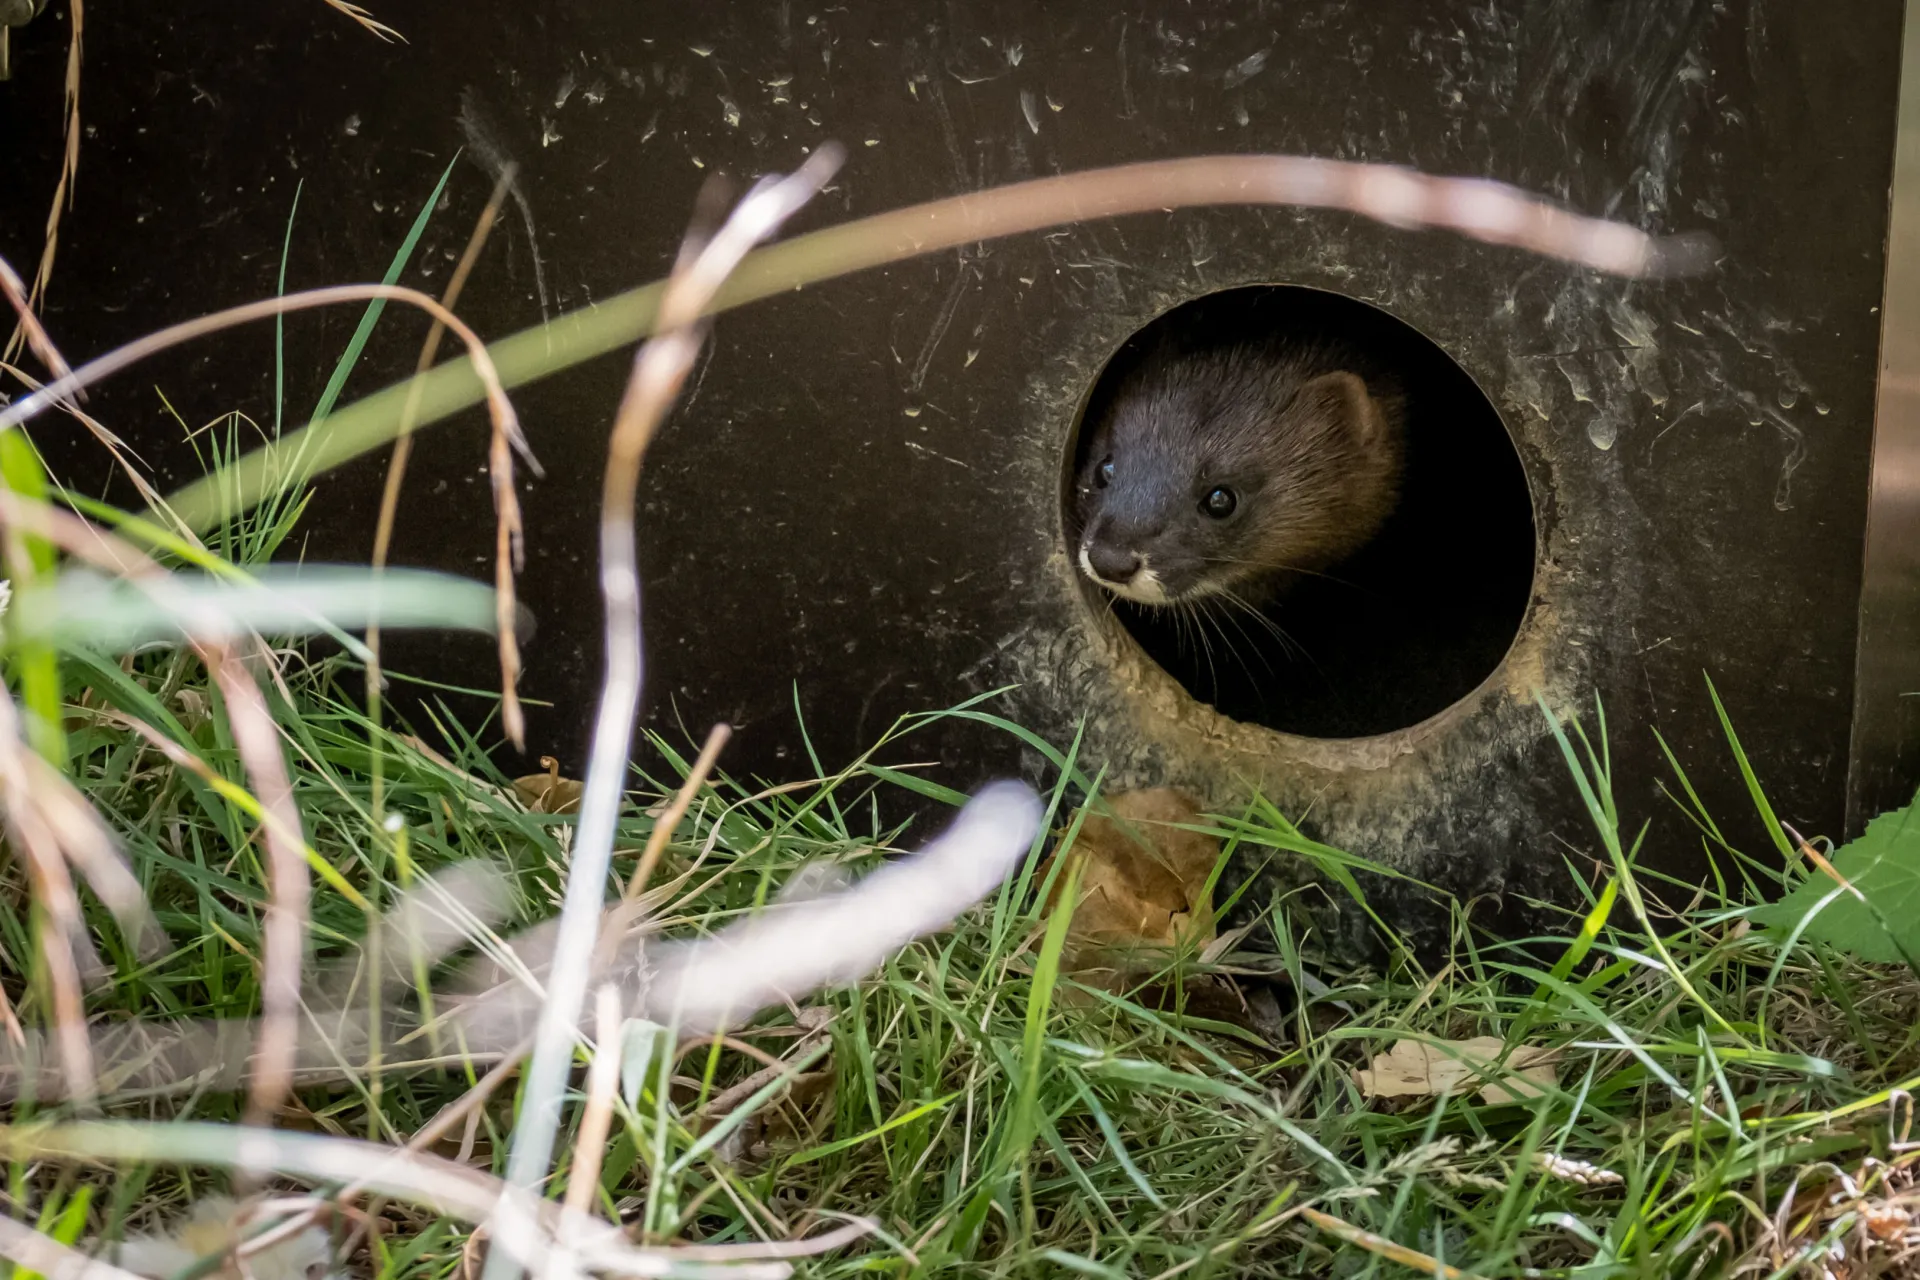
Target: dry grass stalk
(63, 929)
(659, 369)
(663, 829)
(63, 188)
(813, 1023)
(603, 1079)
(453, 1190)
(397, 472)
(123, 456)
(507, 438)
(257, 739)
(365, 19)
(778, 957)
(258, 742)
(10, 1023)
(29, 324)
(44, 349)
(462, 1109)
(1476, 208)
(1827, 868)
(466, 1104)
(89, 846)
(810, 1247)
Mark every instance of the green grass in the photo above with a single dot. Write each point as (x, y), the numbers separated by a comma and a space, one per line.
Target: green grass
(991, 1114)
(1723, 1093)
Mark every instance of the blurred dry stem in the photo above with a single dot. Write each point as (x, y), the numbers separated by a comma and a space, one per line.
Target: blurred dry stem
(34, 811)
(659, 369)
(31, 1251)
(257, 739)
(62, 930)
(454, 1190)
(603, 1078)
(29, 325)
(507, 437)
(1473, 207)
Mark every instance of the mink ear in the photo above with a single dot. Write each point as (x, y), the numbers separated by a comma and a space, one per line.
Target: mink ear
(1343, 398)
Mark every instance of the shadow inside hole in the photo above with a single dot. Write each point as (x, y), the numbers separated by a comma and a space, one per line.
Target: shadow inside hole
(1415, 620)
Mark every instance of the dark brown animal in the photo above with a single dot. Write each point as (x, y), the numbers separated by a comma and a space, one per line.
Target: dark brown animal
(1229, 469)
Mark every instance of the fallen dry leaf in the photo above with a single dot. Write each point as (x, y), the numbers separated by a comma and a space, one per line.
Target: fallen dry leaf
(548, 792)
(1418, 1069)
(1143, 879)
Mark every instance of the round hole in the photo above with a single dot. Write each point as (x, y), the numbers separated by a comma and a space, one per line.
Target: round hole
(1385, 634)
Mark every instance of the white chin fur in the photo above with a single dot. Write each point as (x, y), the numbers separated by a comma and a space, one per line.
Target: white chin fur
(1143, 588)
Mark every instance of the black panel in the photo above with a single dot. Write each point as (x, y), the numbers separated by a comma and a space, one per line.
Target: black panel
(857, 505)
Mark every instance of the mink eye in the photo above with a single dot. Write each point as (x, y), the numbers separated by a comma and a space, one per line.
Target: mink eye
(1219, 502)
(1103, 474)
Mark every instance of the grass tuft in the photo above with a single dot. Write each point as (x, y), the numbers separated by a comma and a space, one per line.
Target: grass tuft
(1728, 1100)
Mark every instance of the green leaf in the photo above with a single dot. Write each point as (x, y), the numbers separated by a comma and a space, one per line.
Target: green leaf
(358, 343)
(280, 321)
(919, 786)
(1752, 780)
(62, 1221)
(30, 562)
(1884, 865)
(114, 614)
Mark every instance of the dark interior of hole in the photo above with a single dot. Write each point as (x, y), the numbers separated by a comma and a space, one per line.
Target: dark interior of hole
(1414, 621)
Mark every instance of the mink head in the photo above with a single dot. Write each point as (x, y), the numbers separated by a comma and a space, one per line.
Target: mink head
(1225, 472)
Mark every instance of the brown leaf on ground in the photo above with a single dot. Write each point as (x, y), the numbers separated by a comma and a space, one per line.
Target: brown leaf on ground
(1420, 1069)
(1143, 880)
(548, 792)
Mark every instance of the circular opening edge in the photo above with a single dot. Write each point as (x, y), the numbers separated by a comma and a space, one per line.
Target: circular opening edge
(1391, 633)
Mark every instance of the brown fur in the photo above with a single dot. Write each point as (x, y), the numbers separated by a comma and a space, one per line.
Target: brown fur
(1309, 440)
